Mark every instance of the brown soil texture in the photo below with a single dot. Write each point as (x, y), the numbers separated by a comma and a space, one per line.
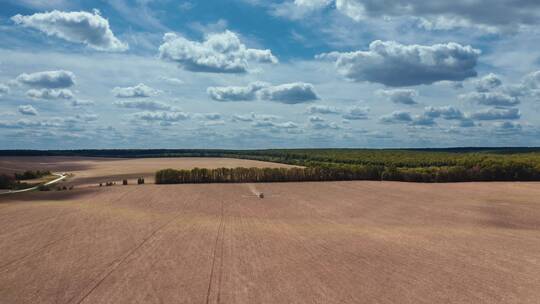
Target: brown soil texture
(328, 242)
(91, 171)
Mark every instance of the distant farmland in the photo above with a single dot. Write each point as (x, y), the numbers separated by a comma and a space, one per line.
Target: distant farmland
(325, 242)
(424, 165)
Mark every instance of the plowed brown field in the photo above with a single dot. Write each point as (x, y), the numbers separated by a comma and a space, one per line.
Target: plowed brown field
(92, 170)
(331, 242)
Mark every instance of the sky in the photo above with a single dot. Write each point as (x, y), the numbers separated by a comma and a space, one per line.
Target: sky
(247, 74)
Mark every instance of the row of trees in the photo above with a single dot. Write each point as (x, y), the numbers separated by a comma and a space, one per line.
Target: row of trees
(241, 175)
(495, 172)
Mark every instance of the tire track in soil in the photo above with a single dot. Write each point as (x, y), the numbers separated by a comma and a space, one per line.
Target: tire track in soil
(127, 255)
(122, 260)
(35, 252)
(44, 247)
(219, 244)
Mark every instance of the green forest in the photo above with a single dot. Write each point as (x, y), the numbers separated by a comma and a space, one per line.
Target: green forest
(429, 166)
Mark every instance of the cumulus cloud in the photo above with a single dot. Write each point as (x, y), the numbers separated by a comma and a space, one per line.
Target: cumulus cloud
(324, 125)
(423, 120)
(162, 116)
(507, 127)
(460, 13)
(497, 114)
(275, 125)
(445, 112)
(316, 118)
(400, 96)
(394, 64)
(322, 109)
(172, 80)
(236, 93)
(488, 82)
(218, 53)
(87, 117)
(87, 28)
(356, 113)
(81, 103)
(50, 94)
(65, 123)
(396, 117)
(4, 89)
(290, 93)
(139, 91)
(253, 117)
(143, 105)
(530, 85)
(491, 99)
(242, 118)
(48, 79)
(27, 110)
(209, 116)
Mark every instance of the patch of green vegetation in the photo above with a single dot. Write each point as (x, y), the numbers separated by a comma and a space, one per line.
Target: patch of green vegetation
(29, 174)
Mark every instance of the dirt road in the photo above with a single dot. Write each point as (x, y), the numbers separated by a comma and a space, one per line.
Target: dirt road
(335, 242)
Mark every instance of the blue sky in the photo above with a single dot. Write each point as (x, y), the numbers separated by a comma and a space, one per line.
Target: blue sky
(266, 74)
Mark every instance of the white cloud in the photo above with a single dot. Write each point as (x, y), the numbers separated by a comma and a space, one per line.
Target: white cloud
(356, 113)
(27, 110)
(531, 84)
(290, 93)
(79, 27)
(209, 116)
(48, 79)
(143, 105)
(139, 91)
(219, 53)
(172, 80)
(87, 117)
(440, 13)
(394, 64)
(497, 114)
(491, 99)
(396, 117)
(322, 109)
(236, 93)
(316, 118)
(507, 127)
(488, 82)
(50, 94)
(4, 89)
(445, 112)
(81, 103)
(275, 125)
(323, 125)
(400, 96)
(162, 116)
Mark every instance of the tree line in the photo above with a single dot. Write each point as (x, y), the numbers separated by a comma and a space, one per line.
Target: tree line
(494, 172)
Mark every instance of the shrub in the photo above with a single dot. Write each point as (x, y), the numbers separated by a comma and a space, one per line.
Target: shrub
(43, 188)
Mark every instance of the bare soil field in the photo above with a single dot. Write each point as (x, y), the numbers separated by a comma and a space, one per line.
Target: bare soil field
(330, 242)
(92, 170)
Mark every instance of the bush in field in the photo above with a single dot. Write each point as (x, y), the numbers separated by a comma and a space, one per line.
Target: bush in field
(6, 181)
(44, 188)
(29, 174)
